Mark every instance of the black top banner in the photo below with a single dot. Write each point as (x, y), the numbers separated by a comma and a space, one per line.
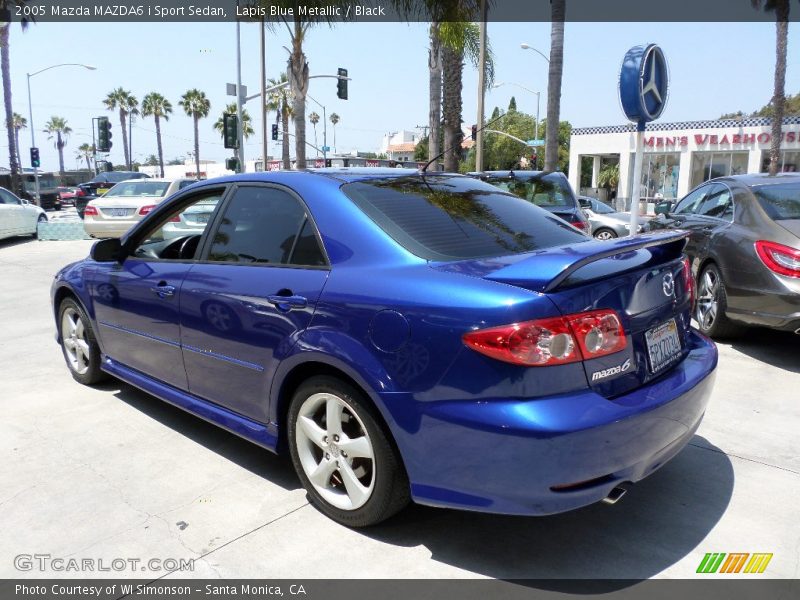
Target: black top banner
(367, 11)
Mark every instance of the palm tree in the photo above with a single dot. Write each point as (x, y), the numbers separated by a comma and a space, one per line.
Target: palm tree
(155, 105)
(334, 118)
(5, 67)
(314, 118)
(57, 126)
(557, 14)
(280, 101)
(781, 8)
(85, 151)
(196, 105)
(127, 104)
(19, 122)
(434, 90)
(459, 40)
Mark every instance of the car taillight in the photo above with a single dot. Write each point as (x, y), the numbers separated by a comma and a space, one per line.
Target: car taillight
(553, 341)
(779, 258)
(146, 209)
(90, 211)
(175, 219)
(80, 192)
(576, 222)
(688, 280)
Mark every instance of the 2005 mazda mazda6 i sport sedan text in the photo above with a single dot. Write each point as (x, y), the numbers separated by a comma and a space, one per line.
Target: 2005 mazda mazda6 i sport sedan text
(402, 336)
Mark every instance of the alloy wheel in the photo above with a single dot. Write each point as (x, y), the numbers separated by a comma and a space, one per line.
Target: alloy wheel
(604, 235)
(335, 451)
(707, 299)
(73, 337)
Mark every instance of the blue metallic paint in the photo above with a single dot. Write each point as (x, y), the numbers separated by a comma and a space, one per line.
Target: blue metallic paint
(473, 432)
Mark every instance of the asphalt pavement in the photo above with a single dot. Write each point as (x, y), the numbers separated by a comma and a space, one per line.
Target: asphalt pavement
(105, 473)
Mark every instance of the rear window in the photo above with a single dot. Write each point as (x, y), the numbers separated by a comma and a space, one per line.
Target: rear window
(547, 191)
(780, 201)
(454, 218)
(139, 188)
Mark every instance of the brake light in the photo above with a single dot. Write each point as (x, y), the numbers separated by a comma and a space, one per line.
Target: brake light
(576, 222)
(175, 219)
(779, 258)
(688, 280)
(146, 209)
(90, 211)
(80, 192)
(553, 341)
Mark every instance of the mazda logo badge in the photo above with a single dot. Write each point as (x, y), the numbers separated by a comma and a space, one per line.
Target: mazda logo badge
(668, 285)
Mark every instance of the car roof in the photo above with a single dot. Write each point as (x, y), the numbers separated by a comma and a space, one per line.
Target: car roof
(758, 179)
(341, 174)
(521, 174)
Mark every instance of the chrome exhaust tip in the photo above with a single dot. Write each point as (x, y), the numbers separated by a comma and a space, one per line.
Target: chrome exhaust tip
(615, 495)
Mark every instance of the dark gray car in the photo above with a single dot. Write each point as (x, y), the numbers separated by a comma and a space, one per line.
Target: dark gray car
(744, 248)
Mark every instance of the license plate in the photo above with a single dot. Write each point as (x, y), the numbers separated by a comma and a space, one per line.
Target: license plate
(663, 345)
(201, 219)
(101, 191)
(117, 212)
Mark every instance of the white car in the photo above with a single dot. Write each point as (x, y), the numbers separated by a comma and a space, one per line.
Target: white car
(17, 216)
(191, 221)
(124, 205)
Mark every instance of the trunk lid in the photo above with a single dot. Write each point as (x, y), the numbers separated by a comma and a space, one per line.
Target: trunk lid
(640, 278)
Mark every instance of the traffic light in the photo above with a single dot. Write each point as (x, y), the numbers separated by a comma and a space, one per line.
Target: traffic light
(230, 130)
(275, 131)
(35, 160)
(109, 167)
(103, 134)
(341, 84)
(474, 133)
(232, 164)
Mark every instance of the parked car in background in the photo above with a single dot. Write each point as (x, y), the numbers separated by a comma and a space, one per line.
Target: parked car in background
(550, 191)
(100, 184)
(402, 336)
(124, 205)
(48, 191)
(18, 216)
(67, 195)
(607, 223)
(744, 246)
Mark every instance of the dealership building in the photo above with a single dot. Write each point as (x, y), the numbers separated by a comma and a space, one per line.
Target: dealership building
(679, 156)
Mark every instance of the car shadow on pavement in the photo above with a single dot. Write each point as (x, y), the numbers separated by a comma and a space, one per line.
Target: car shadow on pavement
(15, 241)
(776, 348)
(255, 459)
(659, 521)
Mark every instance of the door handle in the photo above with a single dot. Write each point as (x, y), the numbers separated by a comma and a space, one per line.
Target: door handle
(162, 290)
(288, 302)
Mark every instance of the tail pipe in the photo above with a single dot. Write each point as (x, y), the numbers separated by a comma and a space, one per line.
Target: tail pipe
(615, 495)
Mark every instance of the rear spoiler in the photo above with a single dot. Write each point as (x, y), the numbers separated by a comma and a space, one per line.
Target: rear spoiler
(548, 269)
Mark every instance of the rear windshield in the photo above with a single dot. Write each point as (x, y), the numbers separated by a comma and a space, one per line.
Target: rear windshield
(547, 191)
(780, 201)
(453, 218)
(139, 188)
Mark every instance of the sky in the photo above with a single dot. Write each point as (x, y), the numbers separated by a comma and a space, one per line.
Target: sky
(715, 68)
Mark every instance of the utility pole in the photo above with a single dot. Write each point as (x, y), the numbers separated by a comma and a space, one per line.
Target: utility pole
(481, 89)
(240, 153)
(263, 87)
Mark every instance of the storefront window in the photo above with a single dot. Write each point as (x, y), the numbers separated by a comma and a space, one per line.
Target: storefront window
(789, 161)
(660, 174)
(708, 165)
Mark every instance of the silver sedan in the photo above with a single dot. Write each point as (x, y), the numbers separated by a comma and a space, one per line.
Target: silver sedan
(606, 223)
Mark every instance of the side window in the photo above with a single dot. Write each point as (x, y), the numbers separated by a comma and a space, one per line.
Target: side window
(177, 236)
(8, 198)
(718, 203)
(691, 202)
(266, 225)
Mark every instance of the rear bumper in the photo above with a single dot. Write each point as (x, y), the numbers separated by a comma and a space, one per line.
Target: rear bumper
(506, 456)
(107, 229)
(775, 303)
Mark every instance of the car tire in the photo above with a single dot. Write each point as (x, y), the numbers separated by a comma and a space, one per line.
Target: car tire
(604, 233)
(712, 304)
(41, 219)
(78, 343)
(350, 469)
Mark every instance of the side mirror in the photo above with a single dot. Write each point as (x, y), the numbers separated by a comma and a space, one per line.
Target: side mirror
(109, 250)
(663, 208)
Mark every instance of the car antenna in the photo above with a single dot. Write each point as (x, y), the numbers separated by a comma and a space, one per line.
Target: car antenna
(424, 169)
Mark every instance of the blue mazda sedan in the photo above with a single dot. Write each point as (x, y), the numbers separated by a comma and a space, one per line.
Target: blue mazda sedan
(402, 336)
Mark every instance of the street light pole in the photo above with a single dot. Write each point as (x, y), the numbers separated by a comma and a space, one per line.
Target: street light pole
(36, 198)
(324, 130)
(525, 46)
